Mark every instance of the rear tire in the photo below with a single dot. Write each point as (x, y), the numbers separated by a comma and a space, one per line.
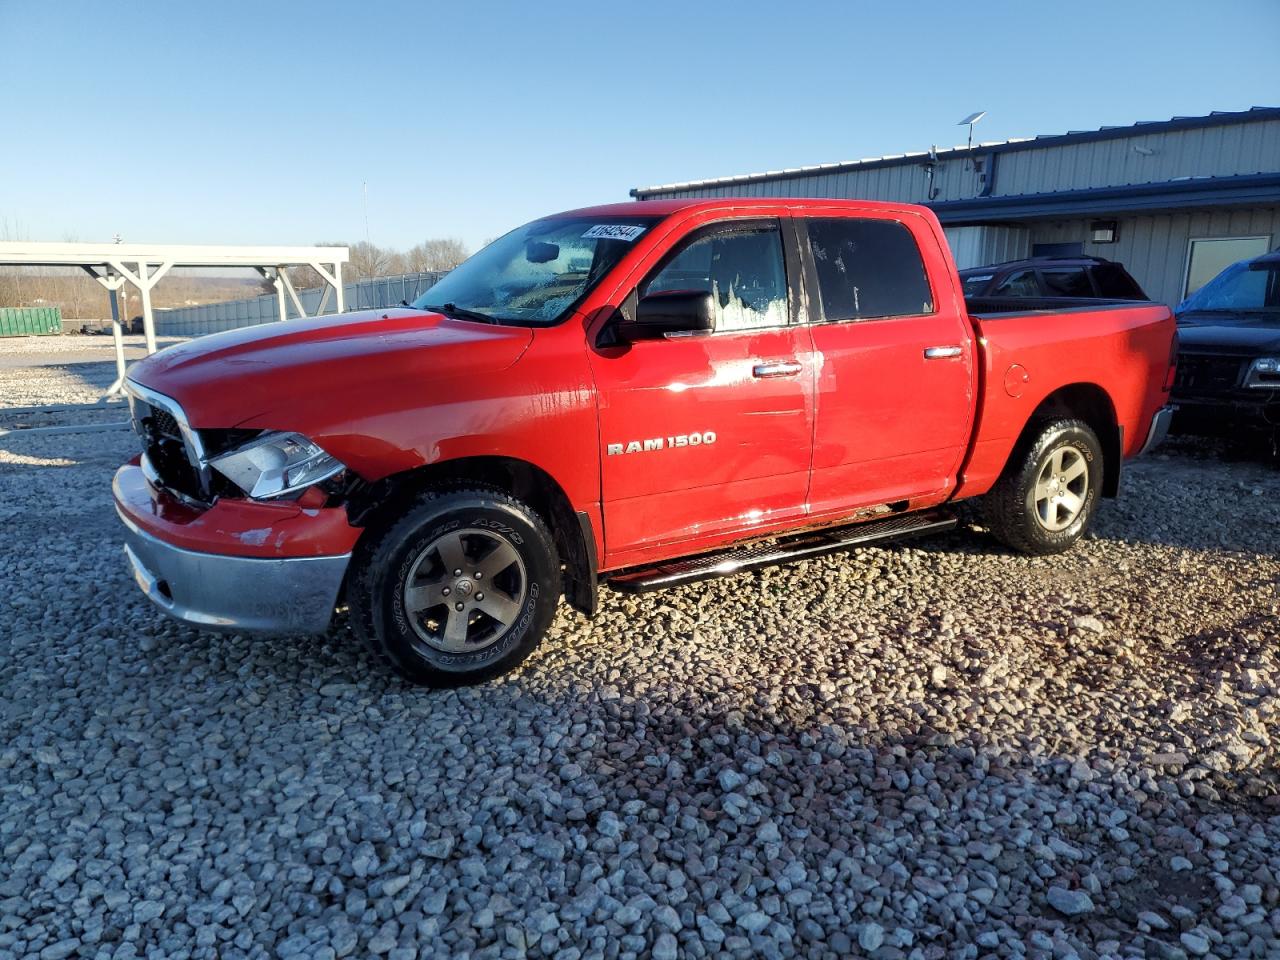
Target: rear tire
(1046, 498)
(459, 590)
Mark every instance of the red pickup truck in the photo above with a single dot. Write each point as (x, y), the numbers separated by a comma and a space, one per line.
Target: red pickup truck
(642, 394)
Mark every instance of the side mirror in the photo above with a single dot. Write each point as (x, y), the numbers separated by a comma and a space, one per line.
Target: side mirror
(669, 312)
(539, 251)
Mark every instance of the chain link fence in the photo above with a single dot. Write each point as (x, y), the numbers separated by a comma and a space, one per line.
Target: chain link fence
(360, 295)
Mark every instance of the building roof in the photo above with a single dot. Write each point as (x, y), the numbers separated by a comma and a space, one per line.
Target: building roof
(1142, 127)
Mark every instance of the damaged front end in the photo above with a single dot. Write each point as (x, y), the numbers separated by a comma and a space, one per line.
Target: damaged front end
(233, 529)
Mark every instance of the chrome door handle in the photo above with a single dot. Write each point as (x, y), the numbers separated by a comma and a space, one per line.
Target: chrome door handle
(779, 368)
(942, 353)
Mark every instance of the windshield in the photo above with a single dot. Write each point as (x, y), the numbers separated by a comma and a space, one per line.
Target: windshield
(974, 283)
(537, 273)
(1237, 295)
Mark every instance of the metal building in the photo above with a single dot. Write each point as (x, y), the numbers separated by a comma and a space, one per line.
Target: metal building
(1173, 200)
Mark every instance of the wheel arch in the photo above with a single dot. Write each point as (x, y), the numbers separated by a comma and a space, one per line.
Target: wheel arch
(573, 532)
(1092, 404)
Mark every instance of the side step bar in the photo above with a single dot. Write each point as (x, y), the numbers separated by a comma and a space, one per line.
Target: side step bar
(800, 547)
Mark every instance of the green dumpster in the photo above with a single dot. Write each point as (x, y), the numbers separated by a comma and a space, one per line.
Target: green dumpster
(26, 321)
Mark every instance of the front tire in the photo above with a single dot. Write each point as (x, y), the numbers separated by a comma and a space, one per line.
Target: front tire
(459, 590)
(1046, 498)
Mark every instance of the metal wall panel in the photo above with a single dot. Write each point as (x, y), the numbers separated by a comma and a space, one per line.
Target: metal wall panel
(1220, 151)
(1155, 157)
(954, 179)
(980, 246)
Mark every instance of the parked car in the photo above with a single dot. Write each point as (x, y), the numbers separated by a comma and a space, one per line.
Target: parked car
(642, 394)
(1052, 278)
(1229, 367)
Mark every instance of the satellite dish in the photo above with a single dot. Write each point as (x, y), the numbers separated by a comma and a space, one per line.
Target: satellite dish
(972, 118)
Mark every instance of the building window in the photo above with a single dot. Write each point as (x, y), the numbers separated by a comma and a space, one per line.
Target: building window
(1209, 256)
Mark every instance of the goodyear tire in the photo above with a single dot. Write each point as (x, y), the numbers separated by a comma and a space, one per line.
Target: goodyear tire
(1046, 498)
(458, 590)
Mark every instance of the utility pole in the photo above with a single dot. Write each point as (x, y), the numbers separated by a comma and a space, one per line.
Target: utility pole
(364, 185)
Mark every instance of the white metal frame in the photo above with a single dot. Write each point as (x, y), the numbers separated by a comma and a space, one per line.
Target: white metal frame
(143, 265)
(1191, 246)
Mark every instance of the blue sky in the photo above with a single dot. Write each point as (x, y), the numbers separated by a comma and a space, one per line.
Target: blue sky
(256, 122)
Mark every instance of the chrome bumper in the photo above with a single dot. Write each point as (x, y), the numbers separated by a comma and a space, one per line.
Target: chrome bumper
(1159, 429)
(217, 592)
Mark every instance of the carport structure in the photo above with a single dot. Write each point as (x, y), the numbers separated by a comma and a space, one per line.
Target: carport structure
(143, 265)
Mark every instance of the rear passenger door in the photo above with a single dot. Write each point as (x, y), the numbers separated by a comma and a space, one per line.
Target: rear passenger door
(895, 362)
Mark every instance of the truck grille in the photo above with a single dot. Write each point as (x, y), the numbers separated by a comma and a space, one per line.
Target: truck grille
(1209, 373)
(165, 449)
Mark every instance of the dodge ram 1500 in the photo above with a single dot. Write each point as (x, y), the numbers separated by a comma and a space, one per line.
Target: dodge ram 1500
(640, 394)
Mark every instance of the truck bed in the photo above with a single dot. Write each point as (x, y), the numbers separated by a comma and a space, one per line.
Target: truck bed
(1113, 353)
(1001, 306)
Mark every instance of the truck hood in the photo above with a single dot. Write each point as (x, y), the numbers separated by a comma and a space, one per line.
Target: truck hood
(295, 374)
(1247, 338)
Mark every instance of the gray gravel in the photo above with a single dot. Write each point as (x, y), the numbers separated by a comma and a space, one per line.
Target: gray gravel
(64, 368)
(936, 751)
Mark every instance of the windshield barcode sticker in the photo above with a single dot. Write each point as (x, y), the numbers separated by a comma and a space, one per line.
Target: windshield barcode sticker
(613, 231)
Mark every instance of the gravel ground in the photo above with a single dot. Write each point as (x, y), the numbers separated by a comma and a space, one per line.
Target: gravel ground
(936, 751)
(68, 368)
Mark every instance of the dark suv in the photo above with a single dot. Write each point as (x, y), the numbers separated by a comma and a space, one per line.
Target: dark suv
(1052, 278)
(1229, 365)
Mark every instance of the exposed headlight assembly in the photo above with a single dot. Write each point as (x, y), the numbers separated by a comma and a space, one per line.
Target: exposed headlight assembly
(275, 465)
(1264, 372)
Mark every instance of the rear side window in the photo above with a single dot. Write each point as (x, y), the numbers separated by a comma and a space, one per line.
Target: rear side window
(1112, 280)
(1066, 283)
(868, 268)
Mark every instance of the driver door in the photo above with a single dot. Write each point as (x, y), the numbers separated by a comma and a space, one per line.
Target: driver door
(706, 438)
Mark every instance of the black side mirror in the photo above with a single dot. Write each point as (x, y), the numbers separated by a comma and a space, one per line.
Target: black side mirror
(539, 251)
(669, 312)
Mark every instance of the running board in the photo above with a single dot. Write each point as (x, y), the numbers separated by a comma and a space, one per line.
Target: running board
(800, 547)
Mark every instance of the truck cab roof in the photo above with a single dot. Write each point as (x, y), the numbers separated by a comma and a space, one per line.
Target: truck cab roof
(667, 207)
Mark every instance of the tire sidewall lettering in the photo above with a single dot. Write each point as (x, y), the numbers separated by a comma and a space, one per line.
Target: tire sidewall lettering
(412, 547)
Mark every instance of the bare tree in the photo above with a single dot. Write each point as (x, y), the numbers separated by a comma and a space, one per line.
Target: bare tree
(441, 254)
(369, 260)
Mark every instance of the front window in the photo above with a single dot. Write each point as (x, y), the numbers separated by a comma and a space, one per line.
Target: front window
(1020, 284)
(1242, 293)
(536, 274)
(740, 266)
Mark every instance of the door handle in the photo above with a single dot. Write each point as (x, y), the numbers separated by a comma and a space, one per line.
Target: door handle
(942, 353)
(778, 368)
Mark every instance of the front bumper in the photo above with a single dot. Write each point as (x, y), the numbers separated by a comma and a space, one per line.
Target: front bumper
(236, 565)
(220, 592)
(1159, 429)
(1256, 410)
